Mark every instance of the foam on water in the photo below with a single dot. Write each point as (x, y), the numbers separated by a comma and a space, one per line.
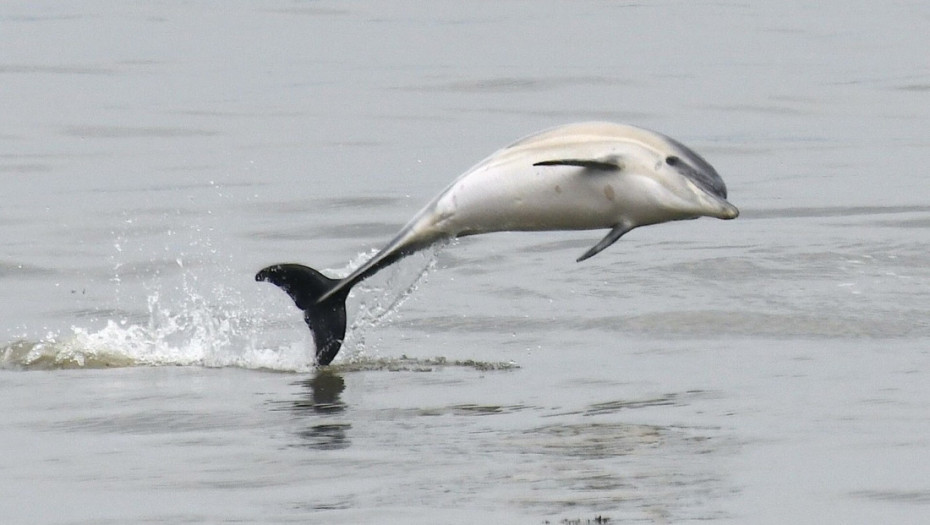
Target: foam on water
(202, 322)
(181, 330)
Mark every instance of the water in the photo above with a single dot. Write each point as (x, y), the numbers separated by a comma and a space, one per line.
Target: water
(764, 370)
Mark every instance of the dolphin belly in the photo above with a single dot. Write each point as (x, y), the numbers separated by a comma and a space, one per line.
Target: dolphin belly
(530, 198)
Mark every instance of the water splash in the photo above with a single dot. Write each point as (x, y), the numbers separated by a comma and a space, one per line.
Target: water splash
(205, 321)
(183, 329)
(378, 299)
(176, 300)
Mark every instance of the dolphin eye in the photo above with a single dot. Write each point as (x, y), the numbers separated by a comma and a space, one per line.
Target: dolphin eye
(672, 160)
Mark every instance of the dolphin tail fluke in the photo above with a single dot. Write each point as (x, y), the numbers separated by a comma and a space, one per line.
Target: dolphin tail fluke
(324, 312)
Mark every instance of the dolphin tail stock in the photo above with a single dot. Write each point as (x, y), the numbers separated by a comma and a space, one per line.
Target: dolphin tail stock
(322, 300)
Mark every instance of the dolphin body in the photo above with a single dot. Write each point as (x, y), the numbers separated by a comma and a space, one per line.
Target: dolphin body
(584, 176)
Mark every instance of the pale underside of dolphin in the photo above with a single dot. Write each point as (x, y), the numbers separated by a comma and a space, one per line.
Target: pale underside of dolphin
(584, 176)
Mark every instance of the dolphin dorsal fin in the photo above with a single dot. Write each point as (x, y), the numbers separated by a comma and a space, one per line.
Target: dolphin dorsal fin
(609, 163)
(618, 231)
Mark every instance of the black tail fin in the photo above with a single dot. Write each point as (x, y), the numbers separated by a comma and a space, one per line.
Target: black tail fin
(327, 318)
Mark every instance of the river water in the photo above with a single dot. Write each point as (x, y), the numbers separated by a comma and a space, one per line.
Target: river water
(154, 155)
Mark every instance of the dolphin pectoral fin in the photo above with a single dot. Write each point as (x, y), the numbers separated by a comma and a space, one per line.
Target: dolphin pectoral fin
(610, 163)
(611, 237)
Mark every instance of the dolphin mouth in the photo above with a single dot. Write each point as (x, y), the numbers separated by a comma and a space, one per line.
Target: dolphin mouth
(720, 207)
(729, 211)
(714, 199)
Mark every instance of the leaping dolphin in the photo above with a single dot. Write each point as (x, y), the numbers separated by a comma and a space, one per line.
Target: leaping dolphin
(583, 176)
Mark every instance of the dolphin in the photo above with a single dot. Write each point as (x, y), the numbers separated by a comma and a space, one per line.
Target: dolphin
(584, 176)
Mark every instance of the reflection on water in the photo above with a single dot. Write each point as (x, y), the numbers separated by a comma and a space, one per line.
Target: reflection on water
(325, 436)
(441, 426)
(322, 398)
(324, 389)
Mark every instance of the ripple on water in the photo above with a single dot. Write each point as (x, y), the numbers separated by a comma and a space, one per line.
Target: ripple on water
(616, 465)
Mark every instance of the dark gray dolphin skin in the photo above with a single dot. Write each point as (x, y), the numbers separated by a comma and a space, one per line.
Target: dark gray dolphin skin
(593, 175)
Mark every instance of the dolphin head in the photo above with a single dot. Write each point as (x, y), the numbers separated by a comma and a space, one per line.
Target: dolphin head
(668, 181)
(697, 187)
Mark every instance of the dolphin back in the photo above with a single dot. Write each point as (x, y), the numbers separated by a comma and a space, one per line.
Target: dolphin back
(573, 135)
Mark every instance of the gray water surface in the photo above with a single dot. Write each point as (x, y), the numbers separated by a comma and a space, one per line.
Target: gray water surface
(154, 156)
